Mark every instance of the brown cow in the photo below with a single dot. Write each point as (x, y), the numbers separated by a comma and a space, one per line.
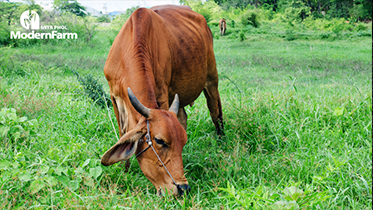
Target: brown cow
(222, 26)
(160, 54)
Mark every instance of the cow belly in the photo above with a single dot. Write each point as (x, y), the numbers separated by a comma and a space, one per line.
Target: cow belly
(188, 92)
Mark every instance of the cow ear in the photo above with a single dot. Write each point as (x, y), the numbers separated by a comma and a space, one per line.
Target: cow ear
(123, 149)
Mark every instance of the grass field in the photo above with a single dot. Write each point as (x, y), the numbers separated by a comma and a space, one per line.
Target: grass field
(297, 118)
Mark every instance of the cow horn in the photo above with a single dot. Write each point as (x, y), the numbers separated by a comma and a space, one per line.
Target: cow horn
(143, 110)
(175, 105)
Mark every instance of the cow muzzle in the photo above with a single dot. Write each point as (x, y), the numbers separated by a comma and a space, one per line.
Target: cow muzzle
(183, 189)
(177, 190)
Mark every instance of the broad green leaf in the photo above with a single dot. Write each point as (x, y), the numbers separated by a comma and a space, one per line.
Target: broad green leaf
(285, 205)
(4, 131)
(338, 111)
(95, 172)
(86, 162)
(5, 176)
(24, 177)
(64, 180)
(22, 119)
(71, 184)
(79, 172)
(2, 113)
(36, 186)
(74, 184)
(51, 181)
(19, 127)
(2, 117)
(33, 122)
(89, 181)
(15, 164)
(16, 135)
(59, 170)
(292, 193)
(12, 116)
(44, 169)
(4, 165)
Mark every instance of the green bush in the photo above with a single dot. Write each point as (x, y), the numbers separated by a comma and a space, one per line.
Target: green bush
(103, 19)
(84, 27)
(4, 34)
(360, 27)
(250, 18)
(289, 34)
(209, 9)
(296, 11)
(205, 13)
(9, 66)
(93, 89)
(214, 23)
(242, 36)
(13, 127)
(233, 24)
(364, 33)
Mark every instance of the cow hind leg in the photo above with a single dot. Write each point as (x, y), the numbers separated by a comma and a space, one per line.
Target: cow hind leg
(182, 117)
(214, 105)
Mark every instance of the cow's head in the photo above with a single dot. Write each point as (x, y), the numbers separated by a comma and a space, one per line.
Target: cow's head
(168, 138)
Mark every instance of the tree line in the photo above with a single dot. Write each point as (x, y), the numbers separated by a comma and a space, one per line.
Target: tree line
(356, 10)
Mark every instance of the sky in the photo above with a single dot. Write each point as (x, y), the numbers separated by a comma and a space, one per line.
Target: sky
(114, 5)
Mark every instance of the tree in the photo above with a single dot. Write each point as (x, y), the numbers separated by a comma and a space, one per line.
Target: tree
(103, 19)
(8, 11)
(70, 6)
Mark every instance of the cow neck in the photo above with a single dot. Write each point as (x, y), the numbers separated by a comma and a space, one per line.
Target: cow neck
(142, 83)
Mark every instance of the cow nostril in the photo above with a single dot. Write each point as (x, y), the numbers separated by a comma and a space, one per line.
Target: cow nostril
(183, 189)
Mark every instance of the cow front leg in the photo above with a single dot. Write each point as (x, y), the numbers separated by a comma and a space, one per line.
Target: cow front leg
(214, 104)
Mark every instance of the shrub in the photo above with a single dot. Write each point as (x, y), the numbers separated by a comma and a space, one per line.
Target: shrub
(296, 11)
(242, 36)
(360, 27)
(13, 127)
(205, 13)
(233, 24)
(290, 35)
(103, 19)
(364, 33)
(214, 23)
(4, 34)
(210, 10)
(9, 66)
(84, 27)
(324, 35)
(250, 18)
(93, 89)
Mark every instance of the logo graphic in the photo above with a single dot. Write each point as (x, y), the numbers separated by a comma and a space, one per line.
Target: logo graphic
(30, 20)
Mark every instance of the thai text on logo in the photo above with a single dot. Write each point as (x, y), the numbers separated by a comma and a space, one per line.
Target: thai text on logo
(30, 21)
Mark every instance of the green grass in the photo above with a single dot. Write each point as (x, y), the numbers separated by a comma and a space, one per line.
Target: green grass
(297, 117)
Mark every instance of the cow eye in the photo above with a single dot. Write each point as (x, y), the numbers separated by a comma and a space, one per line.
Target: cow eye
(160, 142)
